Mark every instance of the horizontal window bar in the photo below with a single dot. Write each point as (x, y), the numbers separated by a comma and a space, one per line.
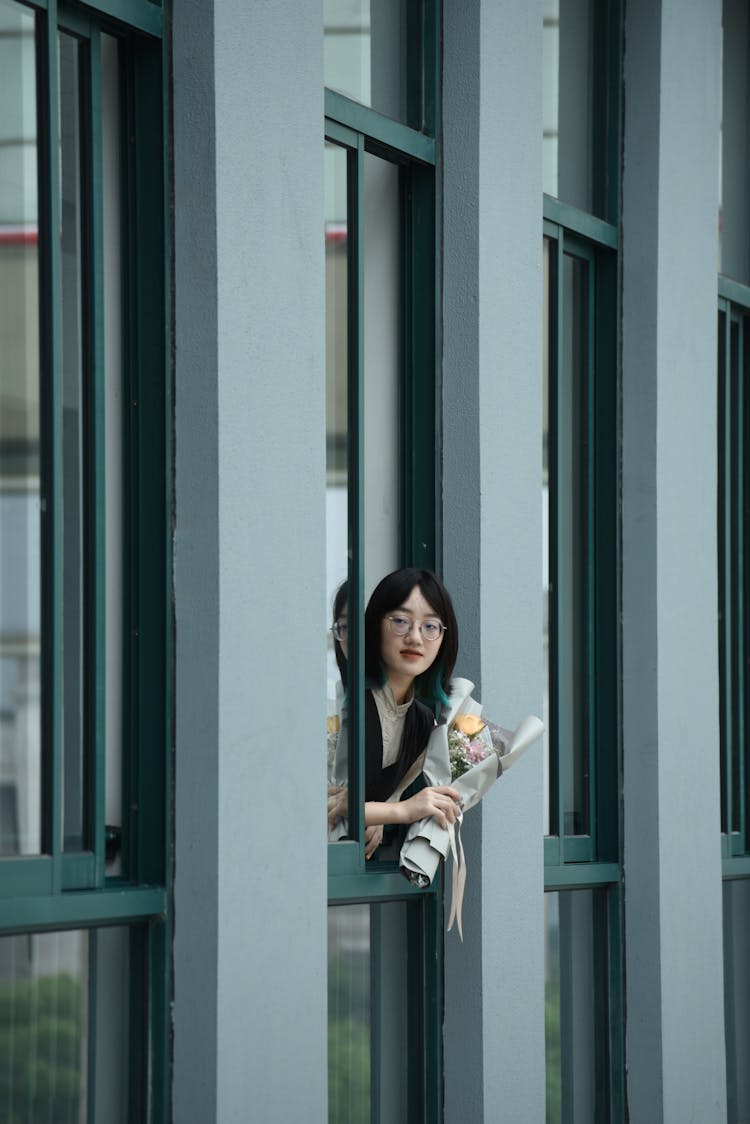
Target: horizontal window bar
(578, 222)
(343, 858)
(141, 15)
(79, 871)
(736, 867)
(732, 845)
(579, 875)
(374, 887)
(734, 291)
(339, 134)
(29, 877)
(83, 910)
(573, 849)
(397, 138)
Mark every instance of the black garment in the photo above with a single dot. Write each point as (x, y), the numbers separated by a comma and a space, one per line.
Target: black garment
(418, 725)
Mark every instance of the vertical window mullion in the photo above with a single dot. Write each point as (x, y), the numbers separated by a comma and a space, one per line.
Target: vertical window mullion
(735, 623)
(725, 565)
(741, 413)
(556, 361)
(97, 666)
(51, 319)
(589, 389)
(356, 491)
(74, 408)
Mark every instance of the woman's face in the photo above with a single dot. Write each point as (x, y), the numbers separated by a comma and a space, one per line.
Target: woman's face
(406, 657)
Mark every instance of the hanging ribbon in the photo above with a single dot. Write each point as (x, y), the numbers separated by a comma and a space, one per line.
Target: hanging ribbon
(458, 881)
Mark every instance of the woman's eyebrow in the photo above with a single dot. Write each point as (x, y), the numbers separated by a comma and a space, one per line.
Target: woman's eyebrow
(408, 613)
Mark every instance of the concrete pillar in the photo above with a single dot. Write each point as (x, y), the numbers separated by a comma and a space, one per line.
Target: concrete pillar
(250, 852)
(492, 536)
(673, 909)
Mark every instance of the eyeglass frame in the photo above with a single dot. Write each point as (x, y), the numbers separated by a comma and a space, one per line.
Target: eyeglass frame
(390, 617)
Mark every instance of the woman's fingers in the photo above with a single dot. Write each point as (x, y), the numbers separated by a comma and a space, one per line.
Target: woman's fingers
(372, 840)
(443, 802)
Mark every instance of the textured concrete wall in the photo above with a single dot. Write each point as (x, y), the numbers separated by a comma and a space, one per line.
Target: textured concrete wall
(250, 881)
(675, 1027)
(492, 541)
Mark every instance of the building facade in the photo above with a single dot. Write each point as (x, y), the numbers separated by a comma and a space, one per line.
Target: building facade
(291, 295)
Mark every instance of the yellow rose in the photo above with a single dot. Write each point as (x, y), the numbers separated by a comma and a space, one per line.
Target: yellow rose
(469, 724)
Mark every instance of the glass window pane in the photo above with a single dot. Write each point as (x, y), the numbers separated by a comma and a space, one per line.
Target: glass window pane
(550, 817)
(368, 1015)
(380, 426)
(367, 49)
(382, 347)
(20, 507)
(568, 99)
(737, 998)
(337, 451)
(113, 440)
(572, 987)
(59, 994)
(734, 164)
(74, 731)
(571, 649)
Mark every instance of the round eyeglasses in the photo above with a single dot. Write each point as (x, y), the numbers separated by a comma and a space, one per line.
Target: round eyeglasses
(339, 630)
(430, 629)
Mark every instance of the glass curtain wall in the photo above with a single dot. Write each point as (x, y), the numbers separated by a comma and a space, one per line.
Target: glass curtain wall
(581, 102)
(83, 685)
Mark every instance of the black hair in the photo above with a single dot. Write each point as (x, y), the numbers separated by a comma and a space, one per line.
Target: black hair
(340, 599)
(433, 685)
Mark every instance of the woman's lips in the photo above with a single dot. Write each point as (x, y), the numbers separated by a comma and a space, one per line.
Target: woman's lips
(408, 654)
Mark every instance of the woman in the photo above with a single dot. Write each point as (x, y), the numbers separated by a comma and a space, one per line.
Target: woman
(411, 643)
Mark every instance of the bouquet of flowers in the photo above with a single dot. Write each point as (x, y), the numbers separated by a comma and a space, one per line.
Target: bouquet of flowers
(466, 746)
(469, 753)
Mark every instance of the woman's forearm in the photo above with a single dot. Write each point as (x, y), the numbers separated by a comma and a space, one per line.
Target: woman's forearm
(382, 812)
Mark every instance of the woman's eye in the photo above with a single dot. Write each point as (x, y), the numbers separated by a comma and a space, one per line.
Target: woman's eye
(431, 629)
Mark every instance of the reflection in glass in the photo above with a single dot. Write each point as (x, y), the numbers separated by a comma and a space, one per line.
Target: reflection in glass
(368, 1020)
(74, 731)
(571, 986)
(737, 998)
(113, 445)
(20, 532)
(365, 51)
(46, 1014)
(337, 433)
(734, 158)
(568, 101)
(570, 548)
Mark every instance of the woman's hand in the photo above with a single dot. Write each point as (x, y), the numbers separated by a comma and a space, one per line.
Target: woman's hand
(338, 802)
(373, 839)
(442, 802)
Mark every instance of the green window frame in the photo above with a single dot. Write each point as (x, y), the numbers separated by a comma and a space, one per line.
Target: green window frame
(733, 527)
(67, 886)
(361, 131)
(582, 846)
